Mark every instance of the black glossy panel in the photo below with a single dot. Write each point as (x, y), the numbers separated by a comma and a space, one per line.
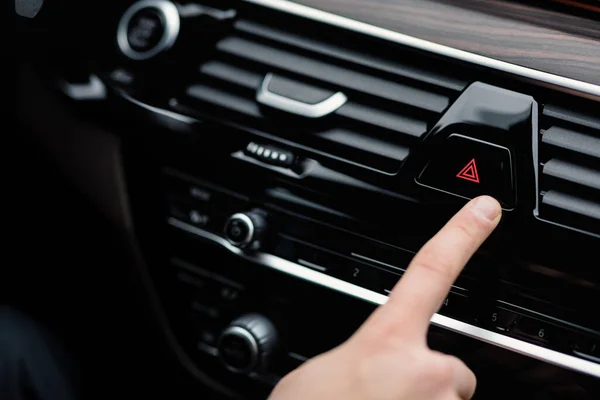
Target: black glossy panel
(482, 114)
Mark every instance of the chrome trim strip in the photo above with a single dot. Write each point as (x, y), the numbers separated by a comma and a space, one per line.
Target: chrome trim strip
(569, 85)
(584, 355)
(369, 259)
(311, 265)
(94, 89)
(279, 102)
(159, 111)
(493, 338)
(171, 21)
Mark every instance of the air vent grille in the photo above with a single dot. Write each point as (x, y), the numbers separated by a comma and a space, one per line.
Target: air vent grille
(570, 169)
(390, 103)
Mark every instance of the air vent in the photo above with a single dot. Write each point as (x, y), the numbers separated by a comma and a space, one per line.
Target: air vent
(342, 101)
(570, 169)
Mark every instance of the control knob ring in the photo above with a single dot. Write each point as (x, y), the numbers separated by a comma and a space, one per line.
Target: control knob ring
(169, 19)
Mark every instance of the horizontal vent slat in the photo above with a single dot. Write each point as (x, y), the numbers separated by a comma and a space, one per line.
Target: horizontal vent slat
(223, 99)
(571, 140)
(570, 173)
(354, 111)
(572, 204)
(572, 117)
(350, 56)
(232, 74)
(341, 77)
(366, 143)
(382, 119)
(573, 173)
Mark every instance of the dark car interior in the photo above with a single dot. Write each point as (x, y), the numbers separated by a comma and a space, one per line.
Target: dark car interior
(202, 195)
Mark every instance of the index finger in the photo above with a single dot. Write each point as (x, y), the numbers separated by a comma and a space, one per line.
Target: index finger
(430, 275)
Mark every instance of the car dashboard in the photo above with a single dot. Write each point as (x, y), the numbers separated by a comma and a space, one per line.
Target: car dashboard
(274, 166)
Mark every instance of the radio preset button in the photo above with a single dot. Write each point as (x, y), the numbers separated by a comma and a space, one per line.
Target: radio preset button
(534, 329)
(456, 305)
(503, 319)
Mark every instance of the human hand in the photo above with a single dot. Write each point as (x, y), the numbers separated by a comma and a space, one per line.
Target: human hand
(388, 357)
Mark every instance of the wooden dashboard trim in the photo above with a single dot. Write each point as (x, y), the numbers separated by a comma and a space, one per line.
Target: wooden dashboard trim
(522, 44)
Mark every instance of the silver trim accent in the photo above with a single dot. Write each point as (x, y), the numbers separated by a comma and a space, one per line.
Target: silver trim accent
(208, 349)
(171, 21)
(568, 85)
(584, 355)
(248, 338)
(307, 274)
(312, 265)
(94, 89)
(159, 111)
(318, 110)
(248, 238)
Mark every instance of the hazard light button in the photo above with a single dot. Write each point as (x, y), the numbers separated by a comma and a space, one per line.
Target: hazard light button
(468, 167)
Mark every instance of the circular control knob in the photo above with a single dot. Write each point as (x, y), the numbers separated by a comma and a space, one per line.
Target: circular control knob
(150, 27)
(248, 343)
(246, 230)
(147, 28)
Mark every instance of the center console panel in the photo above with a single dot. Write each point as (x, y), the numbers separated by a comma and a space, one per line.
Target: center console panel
(281, 180)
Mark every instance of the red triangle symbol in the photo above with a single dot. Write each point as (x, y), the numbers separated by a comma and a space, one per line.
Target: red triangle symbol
(469, 172)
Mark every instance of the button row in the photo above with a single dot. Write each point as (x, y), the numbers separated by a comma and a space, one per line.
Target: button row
(212, 287)
(208, 300)
(202, 205)
(213, 300)
(368, 272)
(270, 154)
(516, 324)
(545, 333)
(337, 265)
(457, 304)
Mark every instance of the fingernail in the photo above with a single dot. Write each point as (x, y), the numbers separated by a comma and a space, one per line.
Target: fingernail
(487, 208)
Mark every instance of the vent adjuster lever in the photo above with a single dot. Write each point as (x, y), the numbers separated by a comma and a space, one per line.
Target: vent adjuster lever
(318, 110)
